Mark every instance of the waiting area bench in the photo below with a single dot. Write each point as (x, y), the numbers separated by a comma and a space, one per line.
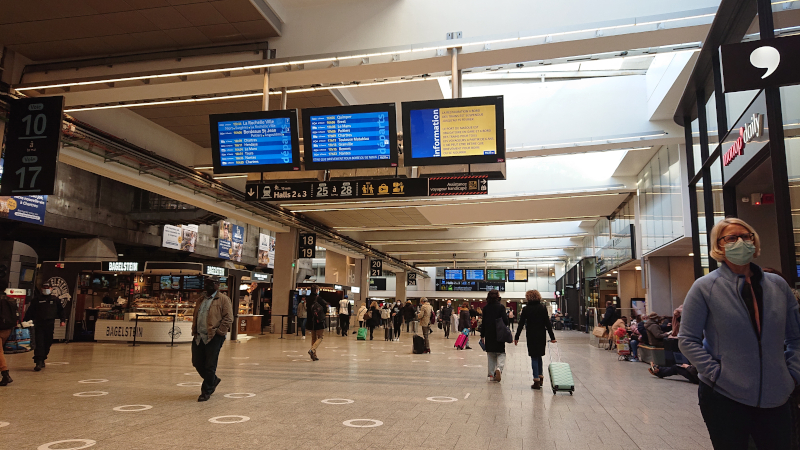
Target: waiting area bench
(650, 354)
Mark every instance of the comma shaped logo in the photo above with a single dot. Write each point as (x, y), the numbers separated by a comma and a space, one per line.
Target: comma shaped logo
(766, 57)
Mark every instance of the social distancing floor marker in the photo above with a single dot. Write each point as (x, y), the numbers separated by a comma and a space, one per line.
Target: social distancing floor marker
(419, 360)
(86, 444)
(472, 365)
(190, 384)
(240, 357)
(240, 395)
(190, 373)
(224, 419)
(337, 401)
(248, 364)
(90, 394)
(374, 423)
(4, 424)
(60, 364)
(133, 408)
(306, 360)
(455, 357)
(361, 359)
(93, 381)
(442, 399)
(466, 396)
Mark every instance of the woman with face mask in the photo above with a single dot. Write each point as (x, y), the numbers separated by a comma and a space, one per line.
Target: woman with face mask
(397, 318)
(740, 328)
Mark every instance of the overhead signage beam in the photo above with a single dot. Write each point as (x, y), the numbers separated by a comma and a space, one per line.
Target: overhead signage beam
(368, 189)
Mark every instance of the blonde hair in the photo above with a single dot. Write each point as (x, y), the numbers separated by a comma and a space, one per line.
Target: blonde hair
(716, 251)
(533, 295)
(373, 304)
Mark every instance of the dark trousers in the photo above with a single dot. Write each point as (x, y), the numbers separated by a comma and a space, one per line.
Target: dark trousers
(730, 424)
(43, 339)
(301, 323)
(204, 360)
(668, 371)
(371, 329)
(446, 327)
(408, 324)
(397, 325)
(344, 323)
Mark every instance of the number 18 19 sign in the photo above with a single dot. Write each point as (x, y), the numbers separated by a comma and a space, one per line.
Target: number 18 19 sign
(32, 145)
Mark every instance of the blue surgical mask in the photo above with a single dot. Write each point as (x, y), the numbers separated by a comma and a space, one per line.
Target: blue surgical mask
(740, 252)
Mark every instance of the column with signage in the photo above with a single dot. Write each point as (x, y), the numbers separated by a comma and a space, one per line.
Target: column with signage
(283, 277)
(400, 290)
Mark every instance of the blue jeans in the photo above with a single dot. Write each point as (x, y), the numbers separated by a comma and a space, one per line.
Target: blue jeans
(634, 348)
(301, 322)
(536, 366)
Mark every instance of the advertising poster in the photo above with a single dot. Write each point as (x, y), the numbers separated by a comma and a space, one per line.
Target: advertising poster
(27, 208)
(231, 241)
(266, 250)
(180, 237)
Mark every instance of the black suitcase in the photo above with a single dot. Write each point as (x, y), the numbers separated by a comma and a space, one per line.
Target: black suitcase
(419, 344)
(387, 334)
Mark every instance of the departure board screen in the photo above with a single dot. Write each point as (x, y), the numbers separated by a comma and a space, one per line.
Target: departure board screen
(453, 274)
(458, 131)
(350, 137)
(255, 142)
(517, 274)
(495, 274)
(475, 275)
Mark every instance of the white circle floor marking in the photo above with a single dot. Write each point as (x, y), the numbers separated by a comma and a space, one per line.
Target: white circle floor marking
(331, 347)
(190, 373)
(248, 364)
(442, 399)
(472, 365)
(402, 356)
(455, 357)
(90, 394)
(306, 360)
(93, 381)
(135, 408)
(419, 360)
(190, 384)
(61, 364)
(4, 424)
(240, 395)
(86, 444)
(389, 351)
(375, 423)
(338, 401)
(361, 359)
(238, 419)
(240, 357)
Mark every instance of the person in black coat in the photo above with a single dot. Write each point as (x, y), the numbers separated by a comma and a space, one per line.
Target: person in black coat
(608, 320)
(375, 318)
(44, 309)
(408, 314)
(495, 348)
(534, 317)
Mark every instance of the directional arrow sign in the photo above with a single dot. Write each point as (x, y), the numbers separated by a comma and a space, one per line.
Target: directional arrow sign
(252, 194)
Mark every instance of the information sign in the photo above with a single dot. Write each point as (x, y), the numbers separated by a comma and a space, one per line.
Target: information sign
(467, 286)
(517, 274)
(459, 185)
(453, 274)
(376, 268)
(308, 246)
(411, 279)
(496, 274)
(475, 275)
(259, 141)
(748, 66)
(327, 190)
(33, 141)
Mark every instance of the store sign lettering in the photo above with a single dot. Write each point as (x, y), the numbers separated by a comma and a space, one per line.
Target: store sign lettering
(746, 134)
(115, 266)
(213, 270)
(124, 331)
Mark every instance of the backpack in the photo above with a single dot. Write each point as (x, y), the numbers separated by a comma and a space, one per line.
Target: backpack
(318, 313)
(385, 313)
(8, 313)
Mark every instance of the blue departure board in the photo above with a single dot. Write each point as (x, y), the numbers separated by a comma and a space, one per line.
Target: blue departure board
(475, 275)
(350, 137)
(453, 274)
(255, 142)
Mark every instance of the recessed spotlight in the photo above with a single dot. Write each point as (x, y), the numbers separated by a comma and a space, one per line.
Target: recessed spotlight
(638, 267)
(691, 254)
(120, 254)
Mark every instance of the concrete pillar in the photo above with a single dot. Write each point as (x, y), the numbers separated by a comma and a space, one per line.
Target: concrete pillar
(265, 100)
(335, 267)
(400, 288)
(629, 286)
(669, 279)
(283, 278)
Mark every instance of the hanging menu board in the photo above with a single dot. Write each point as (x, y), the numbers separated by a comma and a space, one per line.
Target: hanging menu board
(456, 131)
(350, 137)
(262, 141)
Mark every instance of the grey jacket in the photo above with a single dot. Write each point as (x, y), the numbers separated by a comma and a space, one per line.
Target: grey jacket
(719, 339)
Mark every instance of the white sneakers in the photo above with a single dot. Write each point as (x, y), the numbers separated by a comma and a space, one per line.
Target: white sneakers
(304, 337)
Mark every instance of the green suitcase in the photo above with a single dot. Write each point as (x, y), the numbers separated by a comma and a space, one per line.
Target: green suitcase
(560, 375)
(362, 334)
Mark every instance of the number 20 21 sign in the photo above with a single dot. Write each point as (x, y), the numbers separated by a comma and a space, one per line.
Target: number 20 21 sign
(32, 145)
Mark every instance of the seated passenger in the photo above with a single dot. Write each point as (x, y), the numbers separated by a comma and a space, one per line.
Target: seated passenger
(685, 370)
(655, 335)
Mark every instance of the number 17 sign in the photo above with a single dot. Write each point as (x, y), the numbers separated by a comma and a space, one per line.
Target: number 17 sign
(32, 145)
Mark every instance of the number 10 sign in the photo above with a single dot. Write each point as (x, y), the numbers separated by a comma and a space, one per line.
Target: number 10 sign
(32, 145)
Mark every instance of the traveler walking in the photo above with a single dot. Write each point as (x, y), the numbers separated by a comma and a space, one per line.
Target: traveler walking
(344, 315)
(397, 317)
(408, 314)
(386, 315)
(495, 348)
(535, 321)
(740, 329)
(362, 310)
(317, 311)
(373, 318)
(9, 317)
(447, 314)
(425, 317)
(212, 320)
(464, 321)
(44, 309)
(608, 320)
(302, 314)
(511, 318)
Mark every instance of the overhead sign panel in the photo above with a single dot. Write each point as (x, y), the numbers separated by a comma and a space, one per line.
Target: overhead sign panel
(458, 185)
(262, 141)
(33, 141)
(350, 137)
(761, 64)
(456, 131)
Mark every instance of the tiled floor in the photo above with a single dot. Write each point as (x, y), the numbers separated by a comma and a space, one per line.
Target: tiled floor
(617, 405)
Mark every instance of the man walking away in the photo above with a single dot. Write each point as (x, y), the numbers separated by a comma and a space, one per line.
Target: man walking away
(408, 314)
(425, 316)
(316, 321)
(212, 321)
(447, 314)
(608, 320)
(8, 319)
(302, 314)
(44, 309)
(344, 315)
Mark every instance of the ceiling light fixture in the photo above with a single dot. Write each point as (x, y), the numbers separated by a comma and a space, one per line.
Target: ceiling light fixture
(691, 254)
(230, 176)
(203, 168)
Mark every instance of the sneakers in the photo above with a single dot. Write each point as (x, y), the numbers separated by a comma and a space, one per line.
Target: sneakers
(497, 375)
(653, 370)
(304, 337)
(634, 360)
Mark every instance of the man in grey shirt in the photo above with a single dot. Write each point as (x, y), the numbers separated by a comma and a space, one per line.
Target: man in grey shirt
(212, 320)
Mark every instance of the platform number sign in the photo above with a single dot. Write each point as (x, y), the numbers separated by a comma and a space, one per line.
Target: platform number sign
(308, 246)
(411, 279)
(32, 145)
(376, 268)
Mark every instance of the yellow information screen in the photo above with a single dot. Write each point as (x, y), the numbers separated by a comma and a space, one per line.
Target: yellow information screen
(468, 131)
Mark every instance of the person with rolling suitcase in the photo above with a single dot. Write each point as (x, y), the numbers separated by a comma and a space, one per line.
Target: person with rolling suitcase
(495, 319)
(426, 318)
(535, 321)
(464, 323)
(462, 340)
(560, 374)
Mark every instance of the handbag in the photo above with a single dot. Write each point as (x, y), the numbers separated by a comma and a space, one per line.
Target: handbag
(440, 325)
(600, 332)
(503, 333)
